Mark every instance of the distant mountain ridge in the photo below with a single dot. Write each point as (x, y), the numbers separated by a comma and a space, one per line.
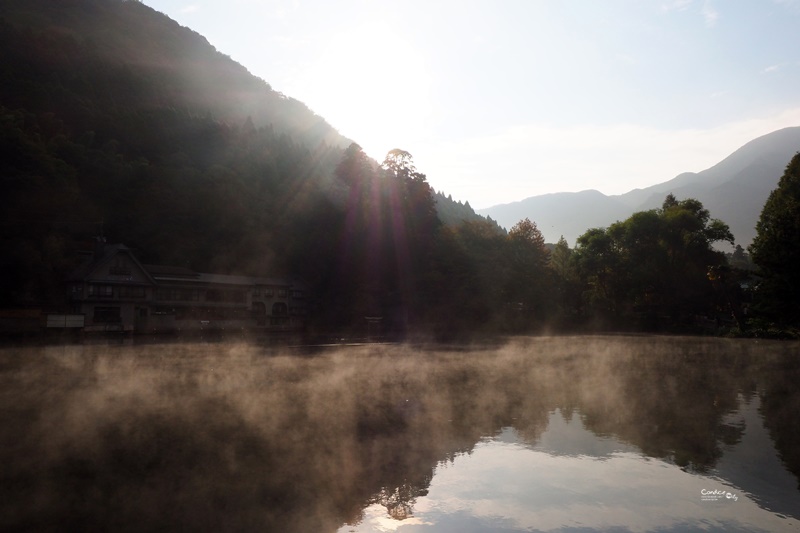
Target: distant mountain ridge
(124, 56)
(734, 191)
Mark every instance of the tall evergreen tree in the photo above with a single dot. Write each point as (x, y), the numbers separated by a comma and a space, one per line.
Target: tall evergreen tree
(776, 250)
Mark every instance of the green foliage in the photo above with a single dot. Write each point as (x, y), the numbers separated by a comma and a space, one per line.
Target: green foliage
(527, 287)
(566, 284)
(400, 165)
(397, 260)
(776, 251)
(480, 272)
(653, 267)
(355, 169)
(740, 259)
(599, 265)
(453, 213)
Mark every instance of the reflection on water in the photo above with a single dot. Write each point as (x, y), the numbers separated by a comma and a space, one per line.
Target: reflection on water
(566, 434)
(571, 479)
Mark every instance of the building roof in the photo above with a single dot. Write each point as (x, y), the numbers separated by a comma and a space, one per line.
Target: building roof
(247, 280)
(160, 273)
(170, 271)
(103, 254)
(225, 279)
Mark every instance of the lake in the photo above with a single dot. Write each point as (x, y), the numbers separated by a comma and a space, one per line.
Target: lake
(588, 433)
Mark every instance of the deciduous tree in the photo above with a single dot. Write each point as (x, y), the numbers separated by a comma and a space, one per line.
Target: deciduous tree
(529, 283)
(655, 263)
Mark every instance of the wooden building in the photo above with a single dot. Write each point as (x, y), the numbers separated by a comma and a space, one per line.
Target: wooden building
(115, 292)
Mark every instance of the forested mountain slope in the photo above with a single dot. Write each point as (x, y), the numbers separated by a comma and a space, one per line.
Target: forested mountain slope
(566, 214)
(91, 61)
(116, 121)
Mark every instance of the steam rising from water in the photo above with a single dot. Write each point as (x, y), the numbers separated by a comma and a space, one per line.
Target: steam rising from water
(241, 437)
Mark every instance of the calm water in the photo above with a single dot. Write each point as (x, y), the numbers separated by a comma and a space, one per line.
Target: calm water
(575, 480)
(541, 434)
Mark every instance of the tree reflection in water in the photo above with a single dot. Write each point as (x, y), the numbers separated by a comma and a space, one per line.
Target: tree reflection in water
(233, 437)
(399, 501)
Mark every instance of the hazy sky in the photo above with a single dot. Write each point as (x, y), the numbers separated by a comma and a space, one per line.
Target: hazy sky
(501, 100)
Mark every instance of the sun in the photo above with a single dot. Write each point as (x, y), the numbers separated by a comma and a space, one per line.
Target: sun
(372, 85)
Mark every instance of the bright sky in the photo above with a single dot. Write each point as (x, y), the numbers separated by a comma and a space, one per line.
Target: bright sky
(501, 100)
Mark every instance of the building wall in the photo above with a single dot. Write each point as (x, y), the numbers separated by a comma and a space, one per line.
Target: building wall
(119, 295)
(109, 316)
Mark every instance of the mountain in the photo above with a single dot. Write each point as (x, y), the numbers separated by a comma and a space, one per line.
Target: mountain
(83, 59)
(734, 191)
(120, 72)
(564, 213)
(116, 122)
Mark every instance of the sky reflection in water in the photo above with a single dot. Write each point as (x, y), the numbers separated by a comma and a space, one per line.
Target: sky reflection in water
(574, 480)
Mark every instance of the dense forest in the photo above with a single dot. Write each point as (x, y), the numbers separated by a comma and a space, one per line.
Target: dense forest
(115, 120)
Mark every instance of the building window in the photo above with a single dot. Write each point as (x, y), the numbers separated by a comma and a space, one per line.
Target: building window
(101, 291)
(106, 315)
(279, 309)
(281, 293)
(216, 295)
(269, 293)
(131, 292)
(297, 294)
(213, 295)
(76, 291)
(260, 313)
(177, 295)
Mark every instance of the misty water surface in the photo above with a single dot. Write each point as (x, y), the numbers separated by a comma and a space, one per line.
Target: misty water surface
(539, 434)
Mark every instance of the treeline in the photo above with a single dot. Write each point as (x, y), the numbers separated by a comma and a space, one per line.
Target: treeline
(222, 199)
(369, 240)
(656, 271)
(454, 212)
